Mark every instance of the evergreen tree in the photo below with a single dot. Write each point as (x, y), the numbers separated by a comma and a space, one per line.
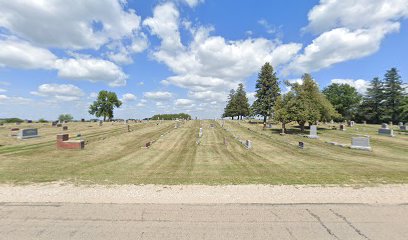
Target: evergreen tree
(267, 91)
(404, 110)
(372, 106)
(393, 95)
(231, 109)
(242, 105)
(344, 98)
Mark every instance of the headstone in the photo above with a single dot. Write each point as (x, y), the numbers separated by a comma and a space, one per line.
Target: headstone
(301, 145)
(269, 125)
(400, 124)
(53, 124)
(313, 132)
(82, 120)
(364, 122)
(248, 144)
(14, 132)
(390, 123)
(331, 121)
(200, 133)
(404, 127)
(384, 125)
(63, 142)
(352, 123)
(28, 133)
(128, 127)
(386, 132)
(59, 125)
(29, 121)
(211, 125)
(148, 144)
(100, 123)
(342, 127)
(362, 143)
(18, 123)
(65, 128)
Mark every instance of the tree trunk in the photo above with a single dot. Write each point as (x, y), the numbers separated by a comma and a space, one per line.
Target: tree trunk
(264, 119)
(104, 118)
(284, 127)
(232, 118)
(302, 126)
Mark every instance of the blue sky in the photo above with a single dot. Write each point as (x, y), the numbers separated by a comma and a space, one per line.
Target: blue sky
(184, 55)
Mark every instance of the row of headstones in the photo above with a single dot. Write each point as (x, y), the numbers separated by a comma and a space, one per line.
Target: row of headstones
(247, 143)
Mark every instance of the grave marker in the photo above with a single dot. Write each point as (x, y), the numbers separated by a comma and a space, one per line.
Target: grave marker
(384, 130)
(28, 133)
(63, 142)
(301, 145)
(64, 128)
(313, 132)
(361, 142)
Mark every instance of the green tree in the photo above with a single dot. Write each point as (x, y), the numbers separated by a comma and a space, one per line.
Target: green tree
(104, 105)
(344, 98)
(65, 117)
(267, 91)
(285, 109)
(393, 95)
(231, 109)
(310, 104)
(171, 116)
(404, 110)
(372, 106)
(242, 105)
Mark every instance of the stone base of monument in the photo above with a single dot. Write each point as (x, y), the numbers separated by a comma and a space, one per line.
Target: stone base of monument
(311, 136)
(63, 142)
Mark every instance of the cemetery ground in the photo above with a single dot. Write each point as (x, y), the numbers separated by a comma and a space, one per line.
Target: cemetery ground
(112, 155)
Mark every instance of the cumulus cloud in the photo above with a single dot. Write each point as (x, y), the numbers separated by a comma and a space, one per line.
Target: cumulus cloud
(19, 54)
(360, 85)
(91, 69)
(158, 96)
(362, 14)
(210, 63)
(59, 92)
(2, 90)
(183, 102)
(75, 24)
(127, 97)
(4, 99)
(348, 30)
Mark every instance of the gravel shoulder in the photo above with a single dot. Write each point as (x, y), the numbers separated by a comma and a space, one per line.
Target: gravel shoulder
(202, 194)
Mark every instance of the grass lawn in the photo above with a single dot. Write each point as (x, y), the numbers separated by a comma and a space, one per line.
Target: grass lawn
(114, 156)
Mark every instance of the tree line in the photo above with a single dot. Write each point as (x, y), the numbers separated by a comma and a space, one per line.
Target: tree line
(385, 100)
(171, 116)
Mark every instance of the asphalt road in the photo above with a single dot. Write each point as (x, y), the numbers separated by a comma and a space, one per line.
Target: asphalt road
(216, 221)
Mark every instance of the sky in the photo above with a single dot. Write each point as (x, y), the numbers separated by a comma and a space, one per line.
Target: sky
(172, 56)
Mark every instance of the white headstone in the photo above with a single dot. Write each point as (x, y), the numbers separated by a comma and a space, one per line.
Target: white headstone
(313, 132)
(362, 143)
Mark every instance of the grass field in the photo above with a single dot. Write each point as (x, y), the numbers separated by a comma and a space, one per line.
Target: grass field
(113, 155)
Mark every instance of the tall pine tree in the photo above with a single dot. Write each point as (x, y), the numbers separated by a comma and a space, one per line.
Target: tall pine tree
(267, 91)
(242, 105)
(393, 95)
(372, 106)
(231, 109)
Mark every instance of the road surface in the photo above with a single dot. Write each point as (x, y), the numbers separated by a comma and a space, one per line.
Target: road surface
(202, 221)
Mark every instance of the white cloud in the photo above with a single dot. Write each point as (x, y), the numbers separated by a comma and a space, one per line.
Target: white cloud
(18, 54)
(59, 92)
(91, 69)
(158, 96)
(348, 30)
(352, 14)
(2, 90)
(127, 97)
(268, 27)
(192, 3)
(74, 24)
(4, 99)
(360, 85)
(339, 45)
(210, 63)
(183, 102)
